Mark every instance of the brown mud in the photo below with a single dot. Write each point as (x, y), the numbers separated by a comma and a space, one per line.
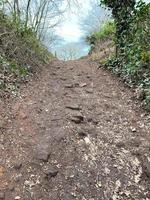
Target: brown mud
(75, 133)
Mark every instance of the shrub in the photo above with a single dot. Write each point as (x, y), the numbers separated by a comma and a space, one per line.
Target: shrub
(132, 26)
(106, 32)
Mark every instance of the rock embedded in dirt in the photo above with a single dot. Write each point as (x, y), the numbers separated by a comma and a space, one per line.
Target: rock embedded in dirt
(2, 195)
(17, 165)
(42, 155)
(93, 119)
(85, 131)
(88, 76)
(89, 90)
(82, 132)
(50, 172)
(58, 67)
(133, 129)
(69, 86)
(83, 84)
(17, 198)
(73, 107)
(29, 183)
(73, 85)
(53, 73)
(77, 117)
(63, 78)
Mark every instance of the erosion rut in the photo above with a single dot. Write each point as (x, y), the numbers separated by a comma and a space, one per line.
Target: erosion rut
(75, 133)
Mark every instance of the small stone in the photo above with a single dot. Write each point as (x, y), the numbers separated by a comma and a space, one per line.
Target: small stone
(46, 110)
(17, 198)
(89, 90)
(69, 86)
(2, 195)
(71, 68)
(99, 184)
(43, 155)
(50, 172)
(54, 73)
(88, 76)
(73, 107)
(73, 194)
(83, 84)
(77, 118)
(63, 78)
(133, 129)
(82, 133)
(17, 165)
(29, 183)
(93, 120)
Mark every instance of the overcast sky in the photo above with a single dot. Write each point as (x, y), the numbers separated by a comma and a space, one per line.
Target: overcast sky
(70, 29)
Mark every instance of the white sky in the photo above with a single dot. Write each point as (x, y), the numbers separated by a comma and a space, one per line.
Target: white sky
(70, 29)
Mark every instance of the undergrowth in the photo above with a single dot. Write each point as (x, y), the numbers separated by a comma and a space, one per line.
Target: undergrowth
(25, 37)
(21, 53)
(105, 32)
(11, 75)
(130, 32)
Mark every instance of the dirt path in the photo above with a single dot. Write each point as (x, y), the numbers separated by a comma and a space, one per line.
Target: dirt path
(74, 134)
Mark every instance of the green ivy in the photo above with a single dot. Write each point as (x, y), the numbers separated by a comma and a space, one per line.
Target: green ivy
(132, 59)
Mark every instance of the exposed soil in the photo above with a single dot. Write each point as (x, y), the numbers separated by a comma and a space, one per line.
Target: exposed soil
(75, 133)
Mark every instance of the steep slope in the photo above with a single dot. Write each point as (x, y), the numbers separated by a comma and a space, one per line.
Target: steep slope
(74, 133)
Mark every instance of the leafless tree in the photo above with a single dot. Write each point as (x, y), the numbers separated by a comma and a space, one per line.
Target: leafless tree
(69, 52)
(95, 17)
(39, 15)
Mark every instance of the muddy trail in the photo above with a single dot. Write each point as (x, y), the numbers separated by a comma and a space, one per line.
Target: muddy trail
(75, 133)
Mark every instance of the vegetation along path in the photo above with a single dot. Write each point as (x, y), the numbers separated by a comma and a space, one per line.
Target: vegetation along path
(75, 133)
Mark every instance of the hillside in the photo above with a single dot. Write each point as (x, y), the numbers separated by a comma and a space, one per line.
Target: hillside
(21, 54)
(122, 45)
(78, 129)
(74, 133)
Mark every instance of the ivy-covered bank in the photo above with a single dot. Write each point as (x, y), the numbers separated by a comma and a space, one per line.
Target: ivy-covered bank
(132, 49)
